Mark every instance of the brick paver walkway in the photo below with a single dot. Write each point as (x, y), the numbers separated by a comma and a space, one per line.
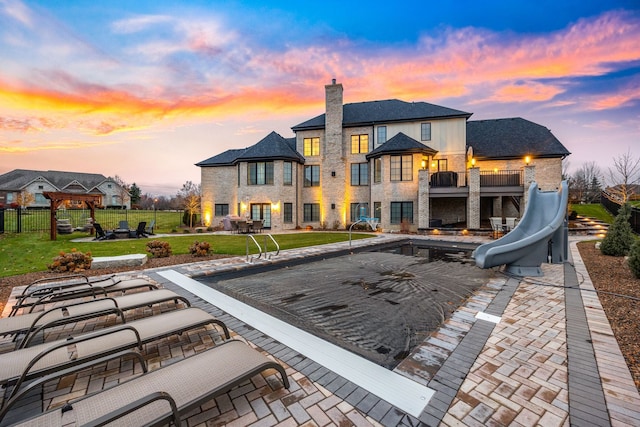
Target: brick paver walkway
(519, 352)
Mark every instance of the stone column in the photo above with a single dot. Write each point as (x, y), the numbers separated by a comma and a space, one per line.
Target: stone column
(529, 177)
(473, 203)
(423, 199)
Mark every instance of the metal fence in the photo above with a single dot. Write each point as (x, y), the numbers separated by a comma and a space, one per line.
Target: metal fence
(613, 207)
(39, 220)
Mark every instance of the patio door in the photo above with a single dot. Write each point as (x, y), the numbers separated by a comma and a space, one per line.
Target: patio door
(262, 211)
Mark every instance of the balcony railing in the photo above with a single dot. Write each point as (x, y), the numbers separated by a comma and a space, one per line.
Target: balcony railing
(501, 178)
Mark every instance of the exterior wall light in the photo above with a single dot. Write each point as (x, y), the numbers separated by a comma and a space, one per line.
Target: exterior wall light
(473, 162)
(424, 164)
(527, 160)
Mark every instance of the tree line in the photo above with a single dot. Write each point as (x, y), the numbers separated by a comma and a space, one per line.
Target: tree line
(621, 181)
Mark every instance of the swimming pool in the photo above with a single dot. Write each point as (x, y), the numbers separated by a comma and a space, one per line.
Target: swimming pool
(379, 303)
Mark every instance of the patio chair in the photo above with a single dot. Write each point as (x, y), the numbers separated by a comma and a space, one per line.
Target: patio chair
(149, 229)
(257, 225)
(180, 386)
(123, 225)
(33, 323)
(496, 226)
(45, 291)
(510, 223)
(101, 234)
(139, 231)
(55, 359)
(243, 227)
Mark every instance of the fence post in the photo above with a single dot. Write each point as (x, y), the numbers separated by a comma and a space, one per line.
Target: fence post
(19, 220)
(1, 220)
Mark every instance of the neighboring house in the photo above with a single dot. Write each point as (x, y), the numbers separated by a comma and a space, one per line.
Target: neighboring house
(413, 165)
(37, 182)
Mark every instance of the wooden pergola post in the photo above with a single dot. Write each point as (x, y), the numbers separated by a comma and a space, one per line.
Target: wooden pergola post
(57, 197)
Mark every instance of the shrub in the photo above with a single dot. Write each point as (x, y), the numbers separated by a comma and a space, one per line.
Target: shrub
(619, 237)
(189, 221)
(159, 248)
(71, 262)
(200, 248)
(634, 259)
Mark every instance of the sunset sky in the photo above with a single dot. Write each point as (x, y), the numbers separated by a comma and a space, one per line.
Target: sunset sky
(146, 89)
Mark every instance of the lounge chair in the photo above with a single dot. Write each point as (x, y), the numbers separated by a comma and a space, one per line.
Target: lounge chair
(149, 229)
(64, 288)
(167, 393)
(139, 231)
(89, 349)
(122, 303)
(101, 234)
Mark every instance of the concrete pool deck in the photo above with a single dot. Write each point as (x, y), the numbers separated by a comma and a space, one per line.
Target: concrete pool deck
(521, 351)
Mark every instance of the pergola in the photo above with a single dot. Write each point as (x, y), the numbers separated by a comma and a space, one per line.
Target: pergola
(57, 197)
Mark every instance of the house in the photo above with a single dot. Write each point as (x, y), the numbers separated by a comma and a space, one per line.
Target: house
(37, 182)
(412, 165)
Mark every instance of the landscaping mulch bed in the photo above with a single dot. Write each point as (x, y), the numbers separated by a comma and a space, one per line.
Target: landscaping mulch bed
(612, 274)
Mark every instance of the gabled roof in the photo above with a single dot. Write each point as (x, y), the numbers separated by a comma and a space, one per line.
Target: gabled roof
(388, 111)
(271, 147)
(512, 138)
(17, 179)
(401, 144)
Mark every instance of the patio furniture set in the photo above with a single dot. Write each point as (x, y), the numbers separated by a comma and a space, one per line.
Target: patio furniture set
(237, 225)
(180, 386)
(123, 231)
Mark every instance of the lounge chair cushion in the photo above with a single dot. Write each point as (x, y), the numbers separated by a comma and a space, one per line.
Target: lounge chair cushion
(226, 366)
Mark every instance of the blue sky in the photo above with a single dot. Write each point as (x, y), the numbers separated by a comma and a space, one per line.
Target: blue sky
(177, 82)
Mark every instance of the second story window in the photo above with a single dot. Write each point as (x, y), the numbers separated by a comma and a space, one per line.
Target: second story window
(425, 131)
(377, 170)
(260, 173)
(287, 174)
(382, 134)
(359, 173)
(312, 176)
(401, 168)
(359, 144)
(311, 147)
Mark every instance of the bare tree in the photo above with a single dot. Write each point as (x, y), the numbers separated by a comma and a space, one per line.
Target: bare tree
(190, 196)
(624, 177)
(122, 191)
(24, 199)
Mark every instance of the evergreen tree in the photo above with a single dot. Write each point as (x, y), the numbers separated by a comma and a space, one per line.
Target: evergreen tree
(134, 193)
(619, 237)
(634, 259)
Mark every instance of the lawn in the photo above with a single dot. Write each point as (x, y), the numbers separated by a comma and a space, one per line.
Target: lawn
(31, 252)
(595, 210)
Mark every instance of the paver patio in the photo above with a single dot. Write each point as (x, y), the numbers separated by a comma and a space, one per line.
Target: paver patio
(521, 351)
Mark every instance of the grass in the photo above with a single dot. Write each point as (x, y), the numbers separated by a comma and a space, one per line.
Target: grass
(31, 252)
(593, 211)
